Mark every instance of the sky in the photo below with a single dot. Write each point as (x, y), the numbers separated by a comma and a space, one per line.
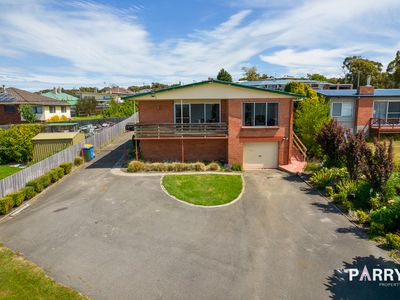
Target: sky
(47, 43)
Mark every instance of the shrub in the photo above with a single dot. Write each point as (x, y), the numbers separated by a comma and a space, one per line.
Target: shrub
(5, 205)
(325, 177)
(392, 241)
(340, 198)
(237, 168)
(377, 228)
(181, 167)
(199, 166)
(363, 192)
(312, 166)
(329, 191)
(53, 175)
(388, 216)
(29, 192)
(379, 165)
(353, 151)
(136, 166)
(45, 180)
(67, 167)
(60, 172)
(78, 161)
(362, 216)
(392, 187)
(17, 197)
(213, 167)
(346, 186)
(36, 184)
(331, 139)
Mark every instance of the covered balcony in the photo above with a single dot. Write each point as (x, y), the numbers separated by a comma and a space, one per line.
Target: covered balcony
(181, 131)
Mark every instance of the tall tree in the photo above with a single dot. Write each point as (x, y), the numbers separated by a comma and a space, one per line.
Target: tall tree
(27, 113)
(86, 106)
(224, 75)
(357, 69)
(310, 115)
(250, 74)
(393, 71)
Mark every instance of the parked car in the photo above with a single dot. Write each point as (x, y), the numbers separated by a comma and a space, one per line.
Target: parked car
(130, 127)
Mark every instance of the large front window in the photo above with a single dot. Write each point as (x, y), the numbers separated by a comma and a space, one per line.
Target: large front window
(387, 110)
(260, 114)
(37, 109)
(342, 109)
(197, 113)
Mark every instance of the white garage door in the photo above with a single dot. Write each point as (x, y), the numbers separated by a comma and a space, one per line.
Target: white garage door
(260, 155)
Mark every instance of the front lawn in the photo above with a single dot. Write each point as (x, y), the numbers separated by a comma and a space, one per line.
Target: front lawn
(204, 189)
(88, 118)
(21, 279)
(7, 171)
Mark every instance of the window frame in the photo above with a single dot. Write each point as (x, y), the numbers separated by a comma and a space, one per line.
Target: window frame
(63, 109)
(10, 112)
(35, 110)
(266, 115)
(341, 109)
(204, 112)
(52, 107)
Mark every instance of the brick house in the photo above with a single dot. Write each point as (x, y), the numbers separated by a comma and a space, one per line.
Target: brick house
(216, 121)
(44, 107)
(376, 111)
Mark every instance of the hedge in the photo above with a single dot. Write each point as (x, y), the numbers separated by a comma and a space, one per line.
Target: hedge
(33, 187)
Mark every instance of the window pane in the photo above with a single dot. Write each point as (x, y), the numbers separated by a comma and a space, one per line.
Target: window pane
(248, 109)
(380, 109)
(63, 109)
(260, 114)
(197, 113)
(394, 107)
(272, 114)
(347, 109)
(178, 113)
(212, 113)
(336, 109)
(52, 109)
(10, 108)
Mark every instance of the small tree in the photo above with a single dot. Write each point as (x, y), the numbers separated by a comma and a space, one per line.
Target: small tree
(224, 75)
(379, 165)
(332, 141)
(353, 151)
(27, 113)
(86, 106)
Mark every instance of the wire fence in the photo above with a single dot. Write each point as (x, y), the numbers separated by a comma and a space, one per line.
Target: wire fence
(18, 180)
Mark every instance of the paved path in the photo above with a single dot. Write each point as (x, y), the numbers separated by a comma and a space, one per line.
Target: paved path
(121, 237)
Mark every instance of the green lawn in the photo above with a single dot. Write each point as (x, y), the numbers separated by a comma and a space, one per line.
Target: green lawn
(7, 171)
(204, 189)
(21, 279)
(396, 150)
(88, 117)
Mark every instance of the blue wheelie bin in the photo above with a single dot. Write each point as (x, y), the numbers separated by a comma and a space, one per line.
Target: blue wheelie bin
(88, 152)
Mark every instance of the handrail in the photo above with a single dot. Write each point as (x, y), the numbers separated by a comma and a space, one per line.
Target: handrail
(181, 130)
(299, 145)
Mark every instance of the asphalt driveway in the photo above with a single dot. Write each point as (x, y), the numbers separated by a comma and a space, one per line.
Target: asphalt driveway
(121, 237)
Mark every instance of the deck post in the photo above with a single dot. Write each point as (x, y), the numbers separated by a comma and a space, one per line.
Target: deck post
(136, 150)
(182, 151)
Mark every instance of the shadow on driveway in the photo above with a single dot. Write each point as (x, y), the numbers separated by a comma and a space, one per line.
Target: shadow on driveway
(109, 160)
(340, 287)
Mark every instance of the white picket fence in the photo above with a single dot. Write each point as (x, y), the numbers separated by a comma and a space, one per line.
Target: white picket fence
(18, 180)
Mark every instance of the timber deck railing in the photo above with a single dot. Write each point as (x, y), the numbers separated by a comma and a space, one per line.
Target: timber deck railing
(181, 130)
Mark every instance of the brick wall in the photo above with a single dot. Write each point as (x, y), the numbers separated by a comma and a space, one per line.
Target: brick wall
(194, 150)
(238, 134)
(364, 111)
(153, 112)
(9, 118)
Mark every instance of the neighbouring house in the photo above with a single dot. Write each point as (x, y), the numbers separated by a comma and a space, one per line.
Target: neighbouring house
(44, 107)
(119, 91)
(46, 144)
(280, 84)
(376, 111)
(59, 95)
(216, 121)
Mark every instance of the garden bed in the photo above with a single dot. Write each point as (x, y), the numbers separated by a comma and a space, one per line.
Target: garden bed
(204, 189)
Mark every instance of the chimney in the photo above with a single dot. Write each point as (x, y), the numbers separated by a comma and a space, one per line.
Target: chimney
(59, 90)
(4, 89)
(55, 90)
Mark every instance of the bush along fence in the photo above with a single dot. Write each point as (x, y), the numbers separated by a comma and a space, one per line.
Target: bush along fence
(33, 187)
(18, 180)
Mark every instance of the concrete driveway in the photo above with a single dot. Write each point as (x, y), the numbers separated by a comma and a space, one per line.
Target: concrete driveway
(121, 237)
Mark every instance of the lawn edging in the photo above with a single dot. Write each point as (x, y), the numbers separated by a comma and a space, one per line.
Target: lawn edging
(200, 173)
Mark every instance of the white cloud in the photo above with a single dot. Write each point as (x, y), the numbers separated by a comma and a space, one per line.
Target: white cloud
(101, 44)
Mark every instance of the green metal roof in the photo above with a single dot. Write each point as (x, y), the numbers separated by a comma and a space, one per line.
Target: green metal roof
(62, 96)
(213, 81)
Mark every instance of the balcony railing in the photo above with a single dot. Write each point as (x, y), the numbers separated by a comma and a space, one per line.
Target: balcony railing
(384, 122)
(181, 130)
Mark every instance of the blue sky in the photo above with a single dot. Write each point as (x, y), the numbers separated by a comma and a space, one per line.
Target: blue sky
(46, 43)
